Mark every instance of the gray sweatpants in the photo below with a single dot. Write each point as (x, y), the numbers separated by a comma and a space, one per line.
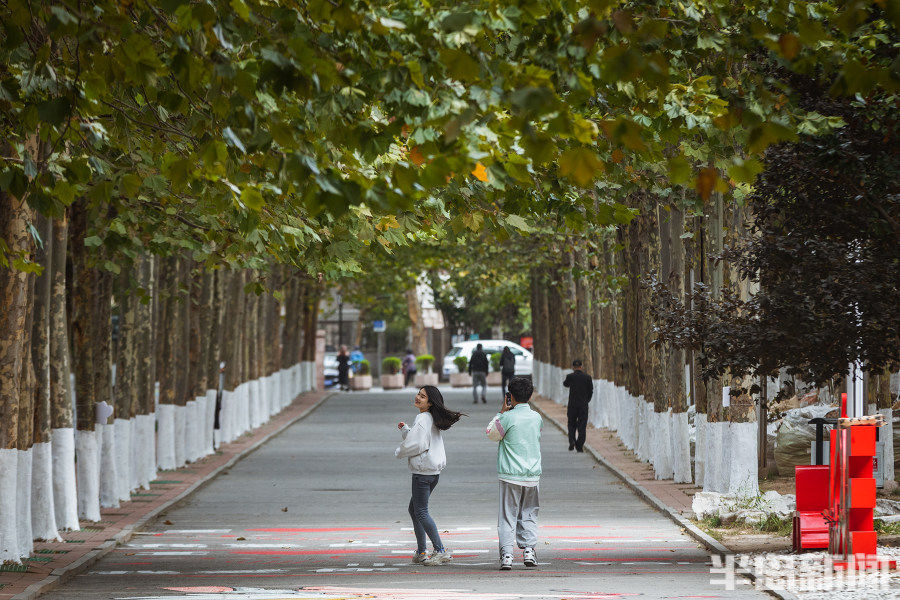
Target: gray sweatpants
(517, 522)
(479, 378)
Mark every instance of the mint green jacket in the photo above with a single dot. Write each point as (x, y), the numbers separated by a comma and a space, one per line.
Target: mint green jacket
(519, 433)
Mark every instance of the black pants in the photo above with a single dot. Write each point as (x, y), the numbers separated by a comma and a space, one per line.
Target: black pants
(578, 418)
(504, 378)
(410, 376)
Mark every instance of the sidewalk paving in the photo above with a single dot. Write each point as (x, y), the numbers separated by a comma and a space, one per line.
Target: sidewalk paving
(52, 563)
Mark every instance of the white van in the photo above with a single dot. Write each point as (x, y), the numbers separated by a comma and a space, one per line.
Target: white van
(523, 357)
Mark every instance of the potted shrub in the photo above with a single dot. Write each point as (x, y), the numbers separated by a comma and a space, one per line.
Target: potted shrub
(391, 377)
(495, 377)
(362, 380)
(424, 376)
(461, 379)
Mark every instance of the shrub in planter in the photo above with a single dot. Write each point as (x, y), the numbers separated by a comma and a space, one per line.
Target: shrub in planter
(391, 365)
(462, 363)
(495, 361)
(424, 362)
(364, 368)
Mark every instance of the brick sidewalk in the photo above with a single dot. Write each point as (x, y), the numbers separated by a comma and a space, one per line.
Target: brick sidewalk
(677, 496)
(54, 562)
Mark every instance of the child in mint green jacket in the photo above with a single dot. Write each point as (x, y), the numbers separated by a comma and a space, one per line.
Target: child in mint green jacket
(518, 429)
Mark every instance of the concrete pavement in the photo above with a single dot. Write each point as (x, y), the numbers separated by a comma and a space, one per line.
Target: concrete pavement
(320, 512)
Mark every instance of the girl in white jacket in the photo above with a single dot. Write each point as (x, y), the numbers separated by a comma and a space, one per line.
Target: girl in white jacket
(423, 446)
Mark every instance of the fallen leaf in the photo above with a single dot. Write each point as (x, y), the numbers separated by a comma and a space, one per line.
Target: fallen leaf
(167, 522)
(284, 509)
(241, 539)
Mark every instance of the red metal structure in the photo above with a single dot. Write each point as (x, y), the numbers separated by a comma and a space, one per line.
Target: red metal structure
(836, 502)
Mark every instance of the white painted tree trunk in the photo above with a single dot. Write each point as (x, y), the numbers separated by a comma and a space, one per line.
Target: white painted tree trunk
(65, 498)
(646, 422)
(109, 472)
(663, 466)
(165, 437)
(150, 450)
(700, 442)
(743, 476)
(135, 457)
(179, 417)
(713, 457)
(9, 530)
(87, 472)
(124, 450)
(253, 415)
(43, 515)
(210, 420)
(23, 502)
(887, 434)
(681, 447)
(225, 417)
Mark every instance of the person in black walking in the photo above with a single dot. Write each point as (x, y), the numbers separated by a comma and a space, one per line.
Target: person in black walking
(581, 388)
(343, 360)
(507, 367)
(478, 369)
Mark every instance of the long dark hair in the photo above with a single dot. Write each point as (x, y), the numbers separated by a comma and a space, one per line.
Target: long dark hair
(442, 416)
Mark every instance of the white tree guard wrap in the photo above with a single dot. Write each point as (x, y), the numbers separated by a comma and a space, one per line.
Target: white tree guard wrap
(712, 457)
(87, 473)
(122, 430)
(681, 447)
(109, 473)
(23, 502)
(700, 444)
(134, 450)
(743, 480)
(43, 515)
(200, 428)
(646, 444)
(727, 451)
(252, 405)
(179, 418)
(65, 498)
(9, 530)
(663, 466)
(165, 437)
(150, 451)
(225, 417)
(210, 421)
(887, 433)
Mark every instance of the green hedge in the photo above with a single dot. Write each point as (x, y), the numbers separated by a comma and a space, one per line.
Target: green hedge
(364, 367)
(462, 363)
(424, 362)
(495, 361)
(391, 365)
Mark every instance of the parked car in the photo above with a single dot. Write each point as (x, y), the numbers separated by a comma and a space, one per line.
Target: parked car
(330, 365)
(524, 358)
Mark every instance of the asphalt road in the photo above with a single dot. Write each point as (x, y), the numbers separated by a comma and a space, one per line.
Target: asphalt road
(320, 512)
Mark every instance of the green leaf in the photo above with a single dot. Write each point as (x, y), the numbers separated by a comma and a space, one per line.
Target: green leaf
(679, 170)
(241, 8)
(459, 64)
(93, 241)
(746, 170)
(581, 165)
(252, 198)
(519, 223)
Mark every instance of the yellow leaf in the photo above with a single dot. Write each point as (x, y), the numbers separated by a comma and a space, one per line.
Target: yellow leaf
(415, 155)
(706, 181)
(480, 172)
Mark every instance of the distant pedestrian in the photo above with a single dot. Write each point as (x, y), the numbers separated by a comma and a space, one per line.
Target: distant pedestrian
(507, 367)
(343, 360)
(478, 369)
(423, 446)
(409, 367)
(518, 429)
(581, 388)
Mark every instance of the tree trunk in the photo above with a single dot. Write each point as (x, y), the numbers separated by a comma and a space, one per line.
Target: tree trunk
(291, 330)
(419, 342)
(583, 348)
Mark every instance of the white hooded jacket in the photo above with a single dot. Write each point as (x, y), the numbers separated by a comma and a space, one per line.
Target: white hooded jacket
(423, 445)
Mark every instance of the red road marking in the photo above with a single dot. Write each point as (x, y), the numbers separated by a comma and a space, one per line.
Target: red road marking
(317, 529)
(300, 552)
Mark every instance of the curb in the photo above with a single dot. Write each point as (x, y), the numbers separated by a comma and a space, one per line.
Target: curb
(644, 494)
(60, 576)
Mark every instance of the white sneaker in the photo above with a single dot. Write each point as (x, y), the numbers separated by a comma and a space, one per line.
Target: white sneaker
(506, 562)
(438, 558)
(419, 557)
(529, 558)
